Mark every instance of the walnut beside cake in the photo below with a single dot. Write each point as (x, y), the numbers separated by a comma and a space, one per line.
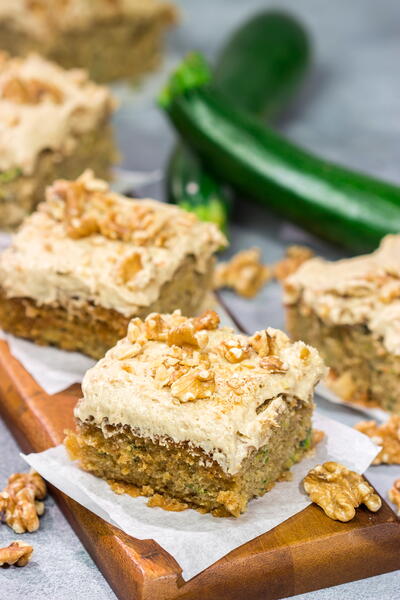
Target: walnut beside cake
(88, 260)
(196, 413)
(350, 311)
(53, 123)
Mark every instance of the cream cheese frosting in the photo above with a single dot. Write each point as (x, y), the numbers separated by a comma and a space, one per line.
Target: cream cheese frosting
(110, 250)
(45, 107)
(45, 19)
(358, 291)
(224, 395)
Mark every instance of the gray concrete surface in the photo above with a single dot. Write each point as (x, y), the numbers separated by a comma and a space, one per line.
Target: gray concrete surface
(349, 111)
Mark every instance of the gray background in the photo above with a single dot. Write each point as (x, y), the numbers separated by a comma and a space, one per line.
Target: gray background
(349, 111)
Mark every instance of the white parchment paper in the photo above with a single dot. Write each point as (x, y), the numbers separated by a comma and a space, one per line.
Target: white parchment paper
(196, 541)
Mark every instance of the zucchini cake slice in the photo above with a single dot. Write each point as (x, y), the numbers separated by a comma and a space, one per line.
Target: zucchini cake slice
(111, 39)
(350, 311)
(195, 412)
(53, 123)
(88, 260)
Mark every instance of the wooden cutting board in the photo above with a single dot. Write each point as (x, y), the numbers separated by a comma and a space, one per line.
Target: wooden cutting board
(307, 552)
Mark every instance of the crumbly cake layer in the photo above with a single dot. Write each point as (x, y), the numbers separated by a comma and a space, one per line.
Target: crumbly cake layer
(109, 39)
(20, 194)
(87, 244)
(187, 473)
(192, 381)
(359, 291)
(45, 108)
(91, 329)
(362, 369)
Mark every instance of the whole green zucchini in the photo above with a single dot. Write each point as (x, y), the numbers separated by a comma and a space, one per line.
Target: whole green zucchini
(270, 53)
(340, 205)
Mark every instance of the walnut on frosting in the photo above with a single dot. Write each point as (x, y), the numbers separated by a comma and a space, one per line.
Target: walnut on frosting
(234, 350)
(91, 207)
(30, 91)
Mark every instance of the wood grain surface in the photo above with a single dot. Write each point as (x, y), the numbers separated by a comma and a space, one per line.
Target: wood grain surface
(307, 552)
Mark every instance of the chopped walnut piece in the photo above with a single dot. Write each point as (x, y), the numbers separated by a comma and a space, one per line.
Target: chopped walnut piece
(295, 256)
(208, 320)
(156, 327)
(339, 491)
(394, 494)
(263, 343)
(185, 334)
(17, 553)
(90, 207)
(129, 267)
(196, 384)
(273, 364)
(234, 351)
(305, 353)
(387, 436)
(317, 437)
(244, 273)
(136, 331)
(124, 352)
(20, 501)
(31, 91)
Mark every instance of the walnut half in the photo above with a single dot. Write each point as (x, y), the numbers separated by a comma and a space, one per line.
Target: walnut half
(17, 553)
(20, 501)
(339, 491)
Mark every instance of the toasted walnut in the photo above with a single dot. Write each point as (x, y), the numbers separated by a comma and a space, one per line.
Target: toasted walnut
(263, 343)
(90, 207)
(339, 491)
(208, 320)
(305, 353)
(234, 351)
(295, 256)
(244, 273)
(125, 352)
(20, 501)
(156, 327)
(31, 91)
(129, 267)
(394, 494)
(186, 334)
(17, 553)
(273, 364)
(387, 436)
(136, 331)
(197, 383)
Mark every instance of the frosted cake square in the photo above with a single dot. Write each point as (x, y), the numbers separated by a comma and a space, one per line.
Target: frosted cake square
(53, 123)
(350, 311)
(110, 39)
(88, 260)
(196, 415)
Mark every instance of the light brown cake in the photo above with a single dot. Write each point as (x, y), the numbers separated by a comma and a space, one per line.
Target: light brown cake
(110, 39)
(89, 260)
(53, 123)
(350, 311)
(196, 413)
